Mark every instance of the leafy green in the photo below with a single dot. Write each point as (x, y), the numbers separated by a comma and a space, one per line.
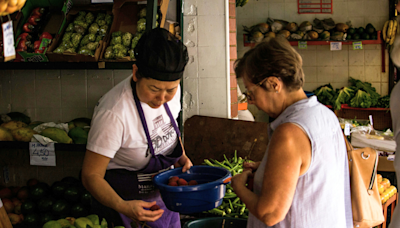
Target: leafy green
(384, 102)
(344, 96)
(325, 94)
(366, 87)
(361, 100)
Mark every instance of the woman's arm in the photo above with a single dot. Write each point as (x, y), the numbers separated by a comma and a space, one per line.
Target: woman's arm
(289, 156)
(93, 171)
(184, 160)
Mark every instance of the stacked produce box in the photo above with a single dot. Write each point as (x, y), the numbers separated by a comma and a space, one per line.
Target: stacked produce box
(386, 190)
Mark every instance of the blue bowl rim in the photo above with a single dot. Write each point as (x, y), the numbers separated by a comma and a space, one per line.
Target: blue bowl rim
(190, 188)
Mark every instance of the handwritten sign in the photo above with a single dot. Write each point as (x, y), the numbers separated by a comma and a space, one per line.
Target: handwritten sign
(43, 155)
(336, 46)
(357, 45)
(302, 44)
(8, 41)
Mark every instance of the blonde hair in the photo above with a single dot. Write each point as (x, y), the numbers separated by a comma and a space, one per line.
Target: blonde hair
(274, 57)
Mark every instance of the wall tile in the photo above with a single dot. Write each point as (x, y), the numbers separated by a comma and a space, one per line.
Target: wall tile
(376, 8)
(291, 14)
(212, 62)
(48, 93)
(23, 89)
(339, 11)
(340, 58)
(190, 98)
(384, 76)
(246, 12)
(372, 74)
(210, 7)
(232, 52)
(372, 58)
(310, 86)
(47, 74)
(192, 67)
(211, 25)
(341, 74)
(356, 58)
(213, 104)
(190, 29)
(100, 74)
(325, 74)
(372, 47)
(384, 89)
(120, 75)
(232, 10)
(357, 72)
(309, 58)
(73, 74)
(232, 38)
(356, 21)
(73, 93)
(324, 58)
(190, 8)
(96, 89)
(48, 114)
(354, 8)
(260, 11)
(276, 10)
(310, 74)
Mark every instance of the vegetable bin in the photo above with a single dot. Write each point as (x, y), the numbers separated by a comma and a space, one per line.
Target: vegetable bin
(217, 222)
(208, 194)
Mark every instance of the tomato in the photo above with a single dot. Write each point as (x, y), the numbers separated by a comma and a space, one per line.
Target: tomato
(46, 35)
(34, 19)
(39, 51)
(36, 44)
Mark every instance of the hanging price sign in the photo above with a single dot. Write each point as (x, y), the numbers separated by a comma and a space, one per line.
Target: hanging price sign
(357, 45)
(8, 41)
(43, 155)
(302, 44)
(336, 46)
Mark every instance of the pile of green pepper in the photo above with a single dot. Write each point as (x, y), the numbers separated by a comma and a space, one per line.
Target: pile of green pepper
(231, 205)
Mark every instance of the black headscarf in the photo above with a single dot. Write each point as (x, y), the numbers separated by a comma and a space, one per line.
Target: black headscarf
(160, 55)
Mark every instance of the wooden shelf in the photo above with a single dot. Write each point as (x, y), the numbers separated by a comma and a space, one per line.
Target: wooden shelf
(248, 43)
(57, 146)
(65, 65)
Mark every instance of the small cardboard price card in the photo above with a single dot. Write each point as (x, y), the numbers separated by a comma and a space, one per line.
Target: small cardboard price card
(336, 46)
(357, 45)
(43, 155)
(302, 44)
(8, 41)
(347, 129)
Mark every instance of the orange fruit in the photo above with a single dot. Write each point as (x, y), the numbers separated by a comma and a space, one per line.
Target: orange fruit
(381, 188)
(11, 9)
(3, 6)
(379, 178)
(12, 2)
(385, 182)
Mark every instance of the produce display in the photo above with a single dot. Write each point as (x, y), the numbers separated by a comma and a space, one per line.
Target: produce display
(359, 95)
(83, 34)
(37, 203)
(19, 127)
(31, 40)
(176, 181)
(325, 29)
(386, 190)
(122, 44)
(241, 3)
(231, 205)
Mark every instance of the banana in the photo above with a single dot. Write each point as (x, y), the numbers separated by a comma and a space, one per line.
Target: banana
(243, 2)
(394, 31)
(389, 31)
(384, 30)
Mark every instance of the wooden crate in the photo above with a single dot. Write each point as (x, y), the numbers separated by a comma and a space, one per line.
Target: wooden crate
(392, 202)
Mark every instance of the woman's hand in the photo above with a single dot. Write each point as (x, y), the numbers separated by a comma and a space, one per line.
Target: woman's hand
(184, 162)
(139, 210)
(240, 180)
(251, 165)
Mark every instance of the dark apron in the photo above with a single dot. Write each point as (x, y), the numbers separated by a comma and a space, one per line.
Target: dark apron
(138, 185)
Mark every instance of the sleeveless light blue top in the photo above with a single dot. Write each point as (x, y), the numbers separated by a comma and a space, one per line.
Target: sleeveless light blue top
(322, 196)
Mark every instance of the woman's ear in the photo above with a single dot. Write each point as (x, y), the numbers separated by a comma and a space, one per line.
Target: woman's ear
(134, 72)
(275, 83)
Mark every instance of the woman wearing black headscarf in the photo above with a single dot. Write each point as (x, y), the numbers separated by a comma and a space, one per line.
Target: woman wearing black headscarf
(134, 136)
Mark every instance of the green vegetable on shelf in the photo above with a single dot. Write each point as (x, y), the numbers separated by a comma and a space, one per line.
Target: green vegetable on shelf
(325, 94)
(344, 96)
(361, 100)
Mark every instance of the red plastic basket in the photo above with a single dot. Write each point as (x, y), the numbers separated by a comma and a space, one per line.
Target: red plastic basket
(381, 116)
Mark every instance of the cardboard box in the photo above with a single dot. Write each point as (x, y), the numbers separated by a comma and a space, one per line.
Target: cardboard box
(126, 17)
(51, 23)
(74, 57)
(385, 165)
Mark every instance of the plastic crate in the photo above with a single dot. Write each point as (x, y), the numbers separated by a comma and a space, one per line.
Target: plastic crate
(381, 116)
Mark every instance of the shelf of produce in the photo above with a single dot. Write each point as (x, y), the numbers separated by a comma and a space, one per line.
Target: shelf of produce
(58, 146)
(65, 65)
(248, 43)
(392, 202)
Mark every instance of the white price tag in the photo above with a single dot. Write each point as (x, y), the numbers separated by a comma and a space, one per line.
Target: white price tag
(357, 45)
(371, 121)
(347, 129)
(336, 46)
(8, 41)
(43, 155)
(302, 44)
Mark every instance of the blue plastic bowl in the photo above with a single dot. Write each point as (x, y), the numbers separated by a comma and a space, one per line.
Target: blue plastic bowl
(309, 94)
(208, 194)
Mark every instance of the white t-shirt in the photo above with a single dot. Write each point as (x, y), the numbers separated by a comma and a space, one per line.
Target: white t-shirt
(117, 131)
(1, 203)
